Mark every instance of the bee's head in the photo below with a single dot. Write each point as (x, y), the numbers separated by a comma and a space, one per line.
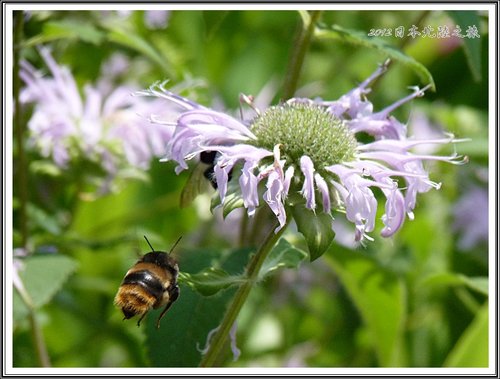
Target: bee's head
(157, 257)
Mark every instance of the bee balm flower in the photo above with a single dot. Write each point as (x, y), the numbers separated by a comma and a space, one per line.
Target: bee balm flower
(104, 127)
(307, 151)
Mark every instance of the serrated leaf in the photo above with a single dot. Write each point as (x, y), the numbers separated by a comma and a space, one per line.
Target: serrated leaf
(43, 276)
(471, 350)
(283, 255)
(210, 281)
(472, 46)
(358, 38)
(316, 229)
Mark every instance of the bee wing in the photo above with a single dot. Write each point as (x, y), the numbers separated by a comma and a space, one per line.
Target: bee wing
(196, 184)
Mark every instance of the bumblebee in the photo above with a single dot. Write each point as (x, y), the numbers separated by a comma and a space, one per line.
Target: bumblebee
(195, 184)
(149, 284)
(208, 157)
(201, 175)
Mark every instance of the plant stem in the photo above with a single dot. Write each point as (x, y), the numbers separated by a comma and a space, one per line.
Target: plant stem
(252, 272)
(21, 167)
(38, 341)
(301, 45)
(243, 230)
(22, 185)
(36, 332)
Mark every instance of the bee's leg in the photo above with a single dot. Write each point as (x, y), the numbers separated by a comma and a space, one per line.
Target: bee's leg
(174, 294)
(139, 321)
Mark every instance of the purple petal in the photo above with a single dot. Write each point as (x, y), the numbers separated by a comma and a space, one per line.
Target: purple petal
(221, 171)
(228, 157)
(325, 192)
(394, 213)
(288, 178)
(378, 127)
(307, 167)
(274, 197)
(360, 203)
(158, 90)
(209, 119)
(248, 183)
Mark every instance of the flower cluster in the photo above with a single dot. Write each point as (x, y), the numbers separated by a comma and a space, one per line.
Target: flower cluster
(307, 151)
(105, 126)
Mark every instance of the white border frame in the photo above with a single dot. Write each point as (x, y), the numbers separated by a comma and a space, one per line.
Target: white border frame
(8, 369)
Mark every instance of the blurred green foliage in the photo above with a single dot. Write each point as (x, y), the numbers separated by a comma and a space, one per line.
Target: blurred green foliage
(416, 300)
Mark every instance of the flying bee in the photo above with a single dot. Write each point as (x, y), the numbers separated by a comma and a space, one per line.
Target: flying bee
(149, 284)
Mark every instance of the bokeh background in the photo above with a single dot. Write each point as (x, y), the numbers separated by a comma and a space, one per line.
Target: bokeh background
(419, 299)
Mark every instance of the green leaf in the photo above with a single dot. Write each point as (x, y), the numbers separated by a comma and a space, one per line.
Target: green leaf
(358, 38)
(132, 40)
(20, 309)
(185, 327)
(67, 29)
(478, 284)
(47, 222)
(316, 229)
(471, 350)
(210, 281)
(472, 46)
(380, 297)
(213, 21)
(45, 168)
(232, 200)
(283, 254)
(196, 184)
(43, 276)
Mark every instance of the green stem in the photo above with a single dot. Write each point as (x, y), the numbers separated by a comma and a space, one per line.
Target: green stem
(252, 272)
(301, 45)
(36, 332)
(38, 341)
(22, 185)
(21, 167)
(243, 230)
(260, 222)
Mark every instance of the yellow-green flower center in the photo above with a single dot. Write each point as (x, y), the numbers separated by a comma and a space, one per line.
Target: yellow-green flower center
(305, 129)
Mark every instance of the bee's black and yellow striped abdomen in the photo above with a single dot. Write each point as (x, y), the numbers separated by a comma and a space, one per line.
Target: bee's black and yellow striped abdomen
(150, 284)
